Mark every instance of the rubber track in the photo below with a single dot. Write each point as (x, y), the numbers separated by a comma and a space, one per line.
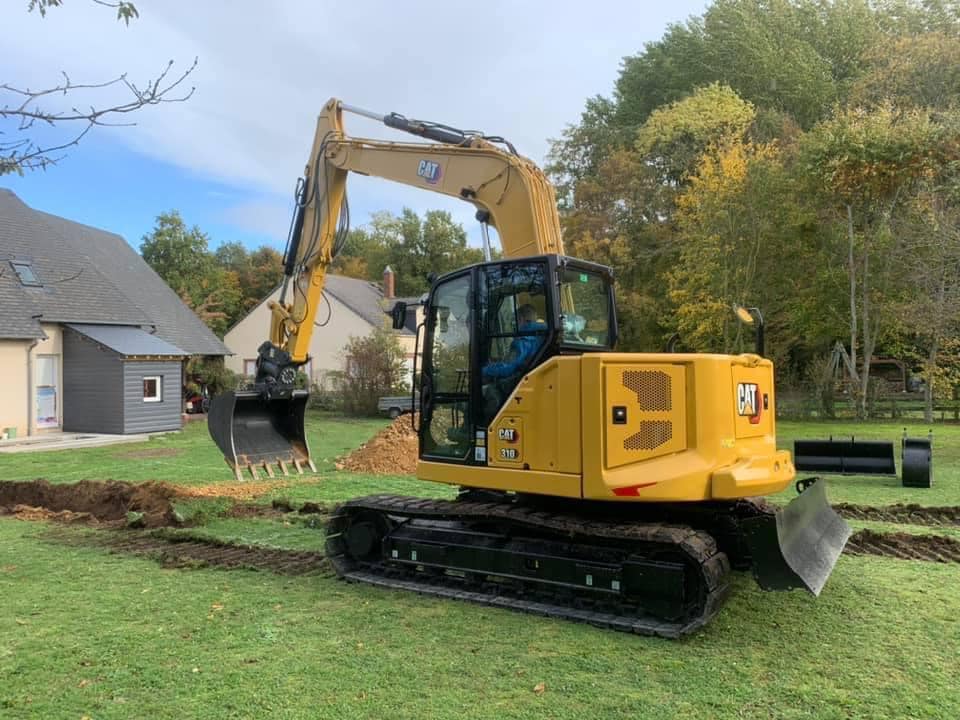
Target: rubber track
(902, 514)
(187, 553)
(904, 546)
(697, 545)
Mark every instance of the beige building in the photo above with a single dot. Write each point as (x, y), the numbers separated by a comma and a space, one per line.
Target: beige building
(351, 308)
(91, 339)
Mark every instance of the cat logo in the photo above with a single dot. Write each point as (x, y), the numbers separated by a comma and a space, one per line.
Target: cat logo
(429, 171)
(749, 402)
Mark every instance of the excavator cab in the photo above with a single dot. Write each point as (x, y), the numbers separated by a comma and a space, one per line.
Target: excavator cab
(490, 324)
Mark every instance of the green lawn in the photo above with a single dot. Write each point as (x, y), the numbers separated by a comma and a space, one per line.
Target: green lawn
(885, 490)
(86, 633)
(188, 457)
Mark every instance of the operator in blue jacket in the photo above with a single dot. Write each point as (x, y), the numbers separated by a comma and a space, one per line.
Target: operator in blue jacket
(522, 348)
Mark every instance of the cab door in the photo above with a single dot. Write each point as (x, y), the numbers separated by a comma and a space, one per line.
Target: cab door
(446, 430)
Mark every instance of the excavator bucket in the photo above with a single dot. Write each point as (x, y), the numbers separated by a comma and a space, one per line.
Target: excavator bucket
(799, 545)
(256, 432)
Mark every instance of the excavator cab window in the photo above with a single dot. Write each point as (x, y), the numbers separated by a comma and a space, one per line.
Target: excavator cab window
(513, 328)
(584, 309)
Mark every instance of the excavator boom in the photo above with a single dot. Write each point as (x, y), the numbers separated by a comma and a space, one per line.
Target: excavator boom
(261, 428)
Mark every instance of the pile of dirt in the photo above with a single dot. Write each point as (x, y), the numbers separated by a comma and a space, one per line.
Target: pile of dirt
(235, 491)
(89, 501)
(25, 512)
(392, 451)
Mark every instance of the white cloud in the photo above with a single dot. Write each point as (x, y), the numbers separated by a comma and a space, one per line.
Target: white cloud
(522, 70)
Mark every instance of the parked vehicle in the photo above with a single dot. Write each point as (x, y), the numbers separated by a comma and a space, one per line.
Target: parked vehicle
(196, 401)
(398, 405)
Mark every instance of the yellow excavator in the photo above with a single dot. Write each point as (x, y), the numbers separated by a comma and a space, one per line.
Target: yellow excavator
(611, 488)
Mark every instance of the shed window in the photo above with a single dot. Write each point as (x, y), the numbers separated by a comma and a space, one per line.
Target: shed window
(153, 388)
(25, 273)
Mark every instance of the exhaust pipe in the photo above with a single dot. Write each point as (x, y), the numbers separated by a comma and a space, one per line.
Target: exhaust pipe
(254, 430)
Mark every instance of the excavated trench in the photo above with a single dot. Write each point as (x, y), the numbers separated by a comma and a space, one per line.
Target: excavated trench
(89, 502)
(109, 504)
(904, 546)
(901, 514)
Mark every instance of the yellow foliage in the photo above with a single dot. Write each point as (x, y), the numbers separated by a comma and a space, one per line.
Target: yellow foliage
(720, 245)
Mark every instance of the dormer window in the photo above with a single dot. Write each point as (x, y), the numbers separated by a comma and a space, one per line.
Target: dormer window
(24, 271)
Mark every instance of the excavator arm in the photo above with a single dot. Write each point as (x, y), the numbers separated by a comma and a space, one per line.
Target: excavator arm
(263, 426)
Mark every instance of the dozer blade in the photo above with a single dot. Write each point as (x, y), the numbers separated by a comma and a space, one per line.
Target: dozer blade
(254, 432)
(799, 545)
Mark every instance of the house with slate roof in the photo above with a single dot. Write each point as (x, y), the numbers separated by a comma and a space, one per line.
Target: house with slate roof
(350, 307)
(91, 338)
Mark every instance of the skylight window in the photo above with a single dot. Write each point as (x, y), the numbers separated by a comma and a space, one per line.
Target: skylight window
(24, 271)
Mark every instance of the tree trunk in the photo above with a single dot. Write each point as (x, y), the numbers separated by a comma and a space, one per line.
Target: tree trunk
(868, 337)
(851, 264)
(928, 391)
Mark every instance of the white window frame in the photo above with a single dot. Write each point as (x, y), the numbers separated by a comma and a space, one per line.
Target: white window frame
(245, 366)
(55, 388)
(159, 396)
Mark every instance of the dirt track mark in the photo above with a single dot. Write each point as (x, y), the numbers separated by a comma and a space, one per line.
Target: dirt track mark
(902, 514)
(194, 552)
(148, 453)
(904, 546)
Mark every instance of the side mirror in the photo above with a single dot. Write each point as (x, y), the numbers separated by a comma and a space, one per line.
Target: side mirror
(754, 318)
(399, 315)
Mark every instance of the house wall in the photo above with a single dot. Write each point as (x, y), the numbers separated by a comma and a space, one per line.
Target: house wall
(408, 343)
(326, 345)
(92, 377)
(142, 416)
(13, 388)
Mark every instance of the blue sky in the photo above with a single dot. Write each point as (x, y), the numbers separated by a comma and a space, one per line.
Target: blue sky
(227, 159)
(106, 184)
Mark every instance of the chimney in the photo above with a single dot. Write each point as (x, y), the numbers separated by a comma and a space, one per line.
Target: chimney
(389, 283)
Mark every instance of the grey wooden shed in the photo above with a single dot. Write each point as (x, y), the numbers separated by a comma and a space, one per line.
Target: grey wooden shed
(120, 379)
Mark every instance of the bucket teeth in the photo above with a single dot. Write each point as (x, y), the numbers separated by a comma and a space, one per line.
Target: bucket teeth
(284, 467)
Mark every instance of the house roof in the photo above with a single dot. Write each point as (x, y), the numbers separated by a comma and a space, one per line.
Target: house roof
(127, 340)
(361, 296)
(88, 276)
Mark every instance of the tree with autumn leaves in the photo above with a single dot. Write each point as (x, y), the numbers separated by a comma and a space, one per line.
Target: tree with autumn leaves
(218, 286)
(222, 285)
(800, 156)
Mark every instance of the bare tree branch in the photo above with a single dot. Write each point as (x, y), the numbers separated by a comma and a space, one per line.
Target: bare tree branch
(21, 152)
(24, 111)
